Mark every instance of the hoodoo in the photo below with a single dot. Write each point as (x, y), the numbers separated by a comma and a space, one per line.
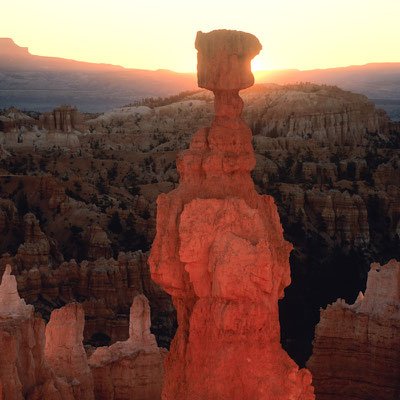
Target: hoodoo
(220, 252)
(132, 369)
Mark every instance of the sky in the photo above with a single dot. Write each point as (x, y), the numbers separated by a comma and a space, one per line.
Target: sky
(302, 34)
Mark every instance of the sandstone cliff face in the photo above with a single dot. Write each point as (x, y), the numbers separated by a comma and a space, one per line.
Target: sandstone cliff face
(357, 347)
(130, 369)
(219, 251)
(57, 128)
(53, 193)
(325, 114)
(340, 216)
(64, 118)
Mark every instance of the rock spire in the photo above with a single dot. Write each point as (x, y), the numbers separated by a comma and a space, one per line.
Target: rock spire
(64, 350)
(220, 253)
(11, 305)
(132, 369)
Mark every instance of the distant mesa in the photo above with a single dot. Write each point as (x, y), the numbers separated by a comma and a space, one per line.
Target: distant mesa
(43, 82)
(39, 83)
(8, 47)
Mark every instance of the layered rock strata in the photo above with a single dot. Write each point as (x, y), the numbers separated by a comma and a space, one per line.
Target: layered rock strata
(323, 113)
(132, 369)
(64, 118)
(356, 351)
(219, 251)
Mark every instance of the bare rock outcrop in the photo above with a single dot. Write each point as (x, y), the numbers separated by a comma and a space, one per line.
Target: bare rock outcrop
(323, 113)
(64, 118)
(14, 120)
(10, 302)
(341, 216)
(24, 371)
(134, 368)
(357, 347)
(35, 251)
(219, 251)
(49, 362)
(105, 286)
(99, 246)
(64, 349)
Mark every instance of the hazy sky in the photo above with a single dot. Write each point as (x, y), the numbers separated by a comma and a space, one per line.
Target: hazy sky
(302, 34)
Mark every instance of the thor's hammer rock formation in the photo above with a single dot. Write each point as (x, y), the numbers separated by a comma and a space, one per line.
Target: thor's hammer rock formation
(220, 252)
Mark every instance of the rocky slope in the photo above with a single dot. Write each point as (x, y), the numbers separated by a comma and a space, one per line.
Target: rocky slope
(219, 251)
(356, 350)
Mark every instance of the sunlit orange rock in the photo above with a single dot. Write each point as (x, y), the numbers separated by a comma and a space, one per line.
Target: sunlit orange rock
(220, 252)
(64, 349)
(24, 371)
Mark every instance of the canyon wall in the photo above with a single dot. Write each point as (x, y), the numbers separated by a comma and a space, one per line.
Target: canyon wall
(356, 350)
(323, 113)
(219, 251)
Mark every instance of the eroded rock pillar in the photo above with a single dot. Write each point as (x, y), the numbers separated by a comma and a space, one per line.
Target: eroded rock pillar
(220, 252)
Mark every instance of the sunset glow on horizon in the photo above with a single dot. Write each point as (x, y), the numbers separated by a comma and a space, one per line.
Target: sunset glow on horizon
(305, 34)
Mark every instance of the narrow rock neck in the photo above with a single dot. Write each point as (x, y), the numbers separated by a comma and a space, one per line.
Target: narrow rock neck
(227, 104)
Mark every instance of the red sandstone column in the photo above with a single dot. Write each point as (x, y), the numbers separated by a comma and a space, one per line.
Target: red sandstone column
(220, 252)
